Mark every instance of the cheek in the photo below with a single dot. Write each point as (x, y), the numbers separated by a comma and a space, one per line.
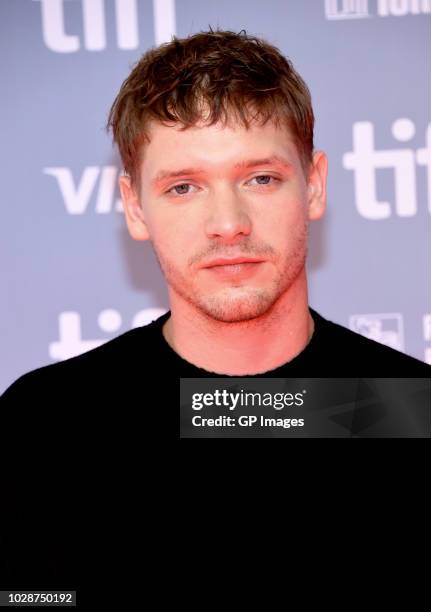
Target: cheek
(284, 220)
(174, 239)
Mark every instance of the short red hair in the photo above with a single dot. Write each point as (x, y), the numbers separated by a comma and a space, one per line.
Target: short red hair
(233, 76)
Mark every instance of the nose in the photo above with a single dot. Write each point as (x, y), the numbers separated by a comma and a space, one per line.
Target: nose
(228, 217)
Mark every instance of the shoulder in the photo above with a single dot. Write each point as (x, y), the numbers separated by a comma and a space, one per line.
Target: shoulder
(103, 364)
(377, 359)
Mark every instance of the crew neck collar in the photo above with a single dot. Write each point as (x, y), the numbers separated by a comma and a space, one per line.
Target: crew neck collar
(186, 368)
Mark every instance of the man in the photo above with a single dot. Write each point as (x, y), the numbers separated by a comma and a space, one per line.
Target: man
(215, 132)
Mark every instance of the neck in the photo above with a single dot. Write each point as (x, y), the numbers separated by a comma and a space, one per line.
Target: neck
(246, 347)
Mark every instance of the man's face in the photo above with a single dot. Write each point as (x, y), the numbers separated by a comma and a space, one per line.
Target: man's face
(223, 202)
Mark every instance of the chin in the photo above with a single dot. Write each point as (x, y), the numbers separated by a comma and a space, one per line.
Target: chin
(235, 310)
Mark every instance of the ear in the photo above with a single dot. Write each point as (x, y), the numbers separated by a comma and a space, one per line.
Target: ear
(133, 210)
(316, 185)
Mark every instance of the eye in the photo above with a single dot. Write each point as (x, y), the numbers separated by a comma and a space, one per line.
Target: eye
(266, 178)
(182, 192)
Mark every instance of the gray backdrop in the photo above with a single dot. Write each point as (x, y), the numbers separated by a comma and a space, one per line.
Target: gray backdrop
(72, 277)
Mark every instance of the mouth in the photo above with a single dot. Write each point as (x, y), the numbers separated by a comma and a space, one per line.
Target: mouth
(233, 270)
(222, 262)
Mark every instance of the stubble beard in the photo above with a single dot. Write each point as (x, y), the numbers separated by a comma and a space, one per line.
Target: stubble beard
(243, 303)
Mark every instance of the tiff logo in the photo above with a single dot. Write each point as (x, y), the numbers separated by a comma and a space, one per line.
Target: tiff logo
(56, 38)
(354, 9)
(71, 343)
(364, 160)
(77, 195)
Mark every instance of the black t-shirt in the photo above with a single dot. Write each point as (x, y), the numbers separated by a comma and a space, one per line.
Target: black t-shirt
(74, 434)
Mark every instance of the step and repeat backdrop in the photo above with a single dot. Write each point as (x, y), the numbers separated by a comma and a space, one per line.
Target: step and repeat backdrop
(72, 278)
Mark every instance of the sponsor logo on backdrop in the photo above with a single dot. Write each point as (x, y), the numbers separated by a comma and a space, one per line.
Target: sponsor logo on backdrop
(336, 10)
(387, 328)
(346, 9)
(365, 159)
(57, 35)
(95, 181)
(70, 341)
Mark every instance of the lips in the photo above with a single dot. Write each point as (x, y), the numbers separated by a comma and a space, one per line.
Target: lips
(238, 269)
(231, 262)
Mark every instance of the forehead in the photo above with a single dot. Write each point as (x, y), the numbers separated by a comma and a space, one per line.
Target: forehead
(214, 147)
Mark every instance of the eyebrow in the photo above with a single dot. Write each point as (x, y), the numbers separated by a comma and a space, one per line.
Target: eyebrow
(246, 163)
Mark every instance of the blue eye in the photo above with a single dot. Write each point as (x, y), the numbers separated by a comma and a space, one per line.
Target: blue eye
(179, 186)
(181, 192)
(265, 176)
